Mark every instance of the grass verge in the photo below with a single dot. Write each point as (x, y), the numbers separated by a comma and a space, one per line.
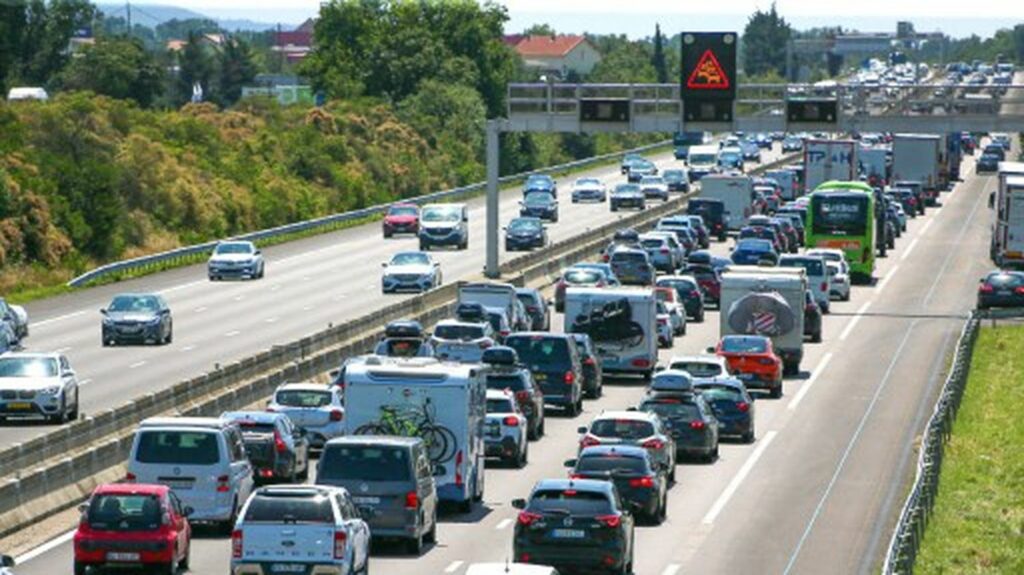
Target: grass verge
(978, 521)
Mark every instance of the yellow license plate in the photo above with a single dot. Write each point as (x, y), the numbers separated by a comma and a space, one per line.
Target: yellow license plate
(19, 406)
(539, 377)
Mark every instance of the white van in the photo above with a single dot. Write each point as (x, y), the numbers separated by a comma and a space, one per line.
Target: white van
(701, 161)
(201, 458)
(818, 279)
(622, 324)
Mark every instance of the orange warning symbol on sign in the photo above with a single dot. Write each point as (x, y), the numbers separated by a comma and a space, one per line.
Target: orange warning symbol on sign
(708, 74)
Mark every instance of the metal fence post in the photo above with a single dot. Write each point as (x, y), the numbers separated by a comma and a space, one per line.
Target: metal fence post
(493, 159)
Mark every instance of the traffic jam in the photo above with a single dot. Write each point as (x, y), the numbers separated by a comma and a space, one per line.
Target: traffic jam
(323, 476)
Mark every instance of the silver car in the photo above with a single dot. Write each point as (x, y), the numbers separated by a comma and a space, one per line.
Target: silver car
(38, 385)
(505, 429)
(316, 408)
(654, 187)
(237, 259)
(589, 189)
(410, 271)
(638, 428)
(460, 341)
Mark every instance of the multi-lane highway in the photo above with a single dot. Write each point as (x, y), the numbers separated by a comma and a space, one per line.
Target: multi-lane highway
(813, 494)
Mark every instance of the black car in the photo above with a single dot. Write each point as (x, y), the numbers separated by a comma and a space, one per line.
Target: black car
(688, 291)
(812, 317)
(917, 188)
(555, 364)
(712, 211)
(1001, 289)
(137, 318)
(996, 150)
(524, 234)
(639, 169)
(642, 484)
(627, 196)
(593, 380)
(677, 180)
(988, 163)
(541, 205)
(506, 374)
(732, 404)
(540, 183)
(574, 524)
(536, 307)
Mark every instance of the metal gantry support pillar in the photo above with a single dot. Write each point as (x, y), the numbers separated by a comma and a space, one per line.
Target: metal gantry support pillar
(491, 269)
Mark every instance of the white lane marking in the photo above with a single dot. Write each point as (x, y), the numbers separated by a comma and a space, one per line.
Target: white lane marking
(201, 309)
(810, 381)
(270, 319)
(730, 489)
(232, 333)
(239, 297)
(305, 278)
(924, 230)
(62, 350)
(188, 348)
(885, 280)
(853, 323)
(181, 287)
(503, 524)
(910, 248)
(307, 308)
(45, 548)
(453, 567)
(84, 382)
(57, 319)
(671, 569)
(849, 448)
(137, 364)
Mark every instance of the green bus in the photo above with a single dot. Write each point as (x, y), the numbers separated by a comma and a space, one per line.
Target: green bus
(841, 215)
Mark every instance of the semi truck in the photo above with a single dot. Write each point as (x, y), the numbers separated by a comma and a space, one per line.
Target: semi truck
(828, 160)
(918, 158)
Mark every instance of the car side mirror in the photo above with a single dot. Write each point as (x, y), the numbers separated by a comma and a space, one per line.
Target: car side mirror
(632, 408)
(710, 350)
(82, 508)
(570, 463)
(188, 511)
(257, 253)
(383, 264)
(6, 561)
(581, 429)
(103, 310)
(519, 503)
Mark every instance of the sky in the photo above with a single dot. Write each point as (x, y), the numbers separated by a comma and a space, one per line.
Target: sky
(637, 17)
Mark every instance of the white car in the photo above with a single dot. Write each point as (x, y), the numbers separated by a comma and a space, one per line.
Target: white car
(238, 259)
(666, 333)
(505, 429)
(839, 274)
(325, 535)
(410, 271)
(589, 189)
(38, 385)
(318, 409)
(700, 367)
(462, 342)
(676, 310)
(654, 187)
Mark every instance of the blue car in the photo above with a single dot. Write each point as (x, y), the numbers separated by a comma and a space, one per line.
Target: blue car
(750, 252)
(732, 404)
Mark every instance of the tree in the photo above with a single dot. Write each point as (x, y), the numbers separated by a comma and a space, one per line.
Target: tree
(235, 68)
(764, 43)
(658, 59)
(1018, 42)
(116, 67)
(34, 37)
(194, 66)
(540, 30)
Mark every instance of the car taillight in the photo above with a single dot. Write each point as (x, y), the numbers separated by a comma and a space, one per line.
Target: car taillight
(663, 250)
(662, 321)
(340, 541)
(640, 362)
(1019, 290)
(569, 378)
(653, 444)
(694, 293)
(697, 424)
(129, 477)
(223, 484)
(527, 518)
(589, 441)
(412, 500)
(337, 415)
(646, 482)
(510, 421)
(505, 332)
(589, 361)
(743, 406)
(766, 361)
(824, 286)
(485, 344)
(271, 410)
(279, 445)
(531, 309)
(236, 543)
(458, 468)
(604, 258)
(611, 521)
(522, 396)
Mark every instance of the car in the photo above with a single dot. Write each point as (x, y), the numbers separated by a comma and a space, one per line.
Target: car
(410, 271)
(753, 251)
(137, 317)
(593, 377)
(133, 525)
(274, 445)
(839, 280)
(589, 190)
(708, 278)
(690, 421)
(555, 364)
(639, 169)
(730, 159)
(790, 233)
(681, 228)
(541, 205)
(444, 225)
(626, 196)
(917, 189)
(733, 406)
(507, 374)
(1001, 289)
(638, 428)
(505, 429)
(654, 187)
(8, 341)
(712, 211)
(817, 277)
(627, 161)
(752, 359)
(16, 316)
(577, 277)
(812, 317)
(996, 150)
(764, 233)
(609, 275)
(901, 215)
(632, 266)
(460, 341)
(240, 259)
(792, 144)
(540, 183)
(317, 410)
(988, 163)
(700, 367)
(673, 304)
(404, 338)
(763, 140)
(38, 385)
(703, 235)
(664, 253)
(499, 323)
(7, 562)
(677, 180)
(322, 522)
(536, 306)
(666, 331)
(750, 151)
(574, 523)
(796, 220)
(905, 198)
(688, 293)
(401, 219)
(641, 483)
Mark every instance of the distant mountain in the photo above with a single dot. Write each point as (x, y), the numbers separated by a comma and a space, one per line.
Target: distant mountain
(151, 15)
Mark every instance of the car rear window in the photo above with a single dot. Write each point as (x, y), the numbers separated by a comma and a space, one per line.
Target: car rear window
(112, 512)
(1005, 280)
(540, 350)
(671, 409)
(577, 277)
(715, 393)
(297, 508)
(364, 463)
(459, 332)
(178, 447)
(576, 502)
(510, 382)
(402, 347)
(622, 428)
(813, 267)
(628, 257)
(652, 243)
(303, 398)
(744, 345)
(612, 463)
(499, 406)
(699, 368)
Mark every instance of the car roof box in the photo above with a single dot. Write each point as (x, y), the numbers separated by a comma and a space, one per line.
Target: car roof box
(500, 355)
(472, 312)
(404, 328)
(672, 380)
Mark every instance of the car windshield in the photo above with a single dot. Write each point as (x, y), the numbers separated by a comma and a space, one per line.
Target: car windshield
(673, 175)
(629, 257)
(581, 277)
(617, 464)
(524, 225)
(538, 199)
(442, 215)
(587, 182)
(699, 368)
(234, 248)
(500, 406)
(303, 398)
(671, 409)
(814, 267)
(289, 508)
(111, 512)
(28, 367)
(364, 463)
(509, 382)
(728, 157)
(178, 447)
(134, 303)
(410, 259)
(539, 181)
(652, 242)
(540, 350)
(701, 158)
(627, 189)
(744, 345)
(622, 428)
(843, 214)
(651, 180)
(571, 501)
(402, 211)
(459, 332)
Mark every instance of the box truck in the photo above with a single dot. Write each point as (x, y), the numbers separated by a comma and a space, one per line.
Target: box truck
(917, 158)
(736, 192)
(622, 324)
(1007, 246)
(828, 160)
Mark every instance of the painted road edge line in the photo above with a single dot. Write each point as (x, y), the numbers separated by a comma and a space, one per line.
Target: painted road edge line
(57, 319)
(853, 323)
(453, 567)
(45, 548)
(807, 385)
(730, 489)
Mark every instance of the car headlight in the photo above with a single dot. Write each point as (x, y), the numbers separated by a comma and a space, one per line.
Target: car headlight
(154, 320)
(51, 390)
(108, 321)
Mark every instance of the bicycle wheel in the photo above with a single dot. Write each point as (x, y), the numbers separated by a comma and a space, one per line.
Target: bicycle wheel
(371, 429)
(440, 441)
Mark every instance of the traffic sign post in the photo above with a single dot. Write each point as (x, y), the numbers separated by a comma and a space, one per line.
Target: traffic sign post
(708, 77)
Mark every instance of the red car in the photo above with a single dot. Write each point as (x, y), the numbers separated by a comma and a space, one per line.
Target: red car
(133, 525)
(753, 360)
(402, 219)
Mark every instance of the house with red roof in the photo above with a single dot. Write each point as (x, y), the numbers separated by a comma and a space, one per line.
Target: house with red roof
(559, 53)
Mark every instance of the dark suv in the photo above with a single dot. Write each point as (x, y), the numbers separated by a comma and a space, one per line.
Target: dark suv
(712, 211)
(536, 307)
(556, 366)
(592, 378)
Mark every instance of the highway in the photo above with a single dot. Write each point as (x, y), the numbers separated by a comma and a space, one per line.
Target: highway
(814, 494)
(309, 283)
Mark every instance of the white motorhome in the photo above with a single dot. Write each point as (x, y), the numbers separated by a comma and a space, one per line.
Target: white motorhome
(918, 158)
(828, 160)
(735, 191)
(444, 404)
(1007, 246)
(775, 296)
(20, 94)
(622, 324)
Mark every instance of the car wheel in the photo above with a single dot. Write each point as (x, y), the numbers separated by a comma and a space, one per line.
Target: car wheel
(365, 569)
(414, 545)
(73, 416)
(431, 536)
(168, 568)
(748, 437)
(712, 455)
(226, 526)
(387, 234)
(523, 457)
(776, 392)
(700, 316)
(186, 560)
(816, 337)
(614, 207)
(81, 568)
(105, 342)
(170, 336)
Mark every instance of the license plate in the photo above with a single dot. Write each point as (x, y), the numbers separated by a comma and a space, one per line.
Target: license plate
(540, 377)
(287, 568)
(122, 556)
(19, 406)
(568, 533)
(745, 376)
(366, 500)
(179, 485)
(611, 358)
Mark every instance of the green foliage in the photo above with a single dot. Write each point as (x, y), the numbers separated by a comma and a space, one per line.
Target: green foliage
(235, 68)
(658, 58)
(34, 37)
(175, 29)
(623, 60)
(116, 67)
(764, 42)
(195, 66)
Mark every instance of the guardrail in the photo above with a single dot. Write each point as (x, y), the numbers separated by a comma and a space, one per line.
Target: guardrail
(179, 254)
(916, 511)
